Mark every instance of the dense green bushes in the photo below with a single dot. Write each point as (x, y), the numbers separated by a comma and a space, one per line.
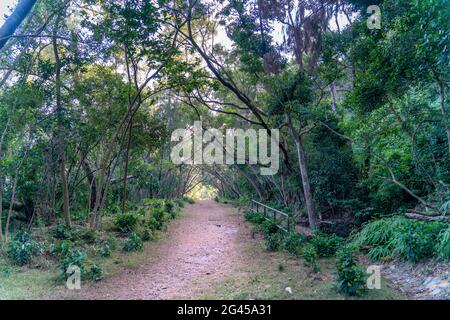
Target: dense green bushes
(81, 246)
(88, 270)
(72, 258)
(126, 222)
(22, 248)
(61, 247)
(443, 247)
(310, 256)
(404, 238)
(351, 277)
(326, 245)
(293, 243)
(273, 241)
(320, 244)
(254, 217)
(134, 243)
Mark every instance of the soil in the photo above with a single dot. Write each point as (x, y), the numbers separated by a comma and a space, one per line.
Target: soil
(203, 243)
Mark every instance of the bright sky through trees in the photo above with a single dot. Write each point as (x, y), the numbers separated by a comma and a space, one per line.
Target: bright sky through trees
(4, 4)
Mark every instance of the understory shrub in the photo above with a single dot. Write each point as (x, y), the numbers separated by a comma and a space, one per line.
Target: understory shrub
(417, 240)
(93, 272)
(179, 202)
(22, 248)
(443, 247)
(154, 203)
(169, 207)
(62, 232)
(107, 247)
(326, 244)
(273, 241)
(88, 235)
(134, 243)
(126, 222)
(398, 236)
(254, 217)
(158, 219)
(293, 243)
(310, 256)
(268, 227)
(61, 247)
(105, 250)
(351, 277)
(188, 200)
(147, 235)
(74, 257)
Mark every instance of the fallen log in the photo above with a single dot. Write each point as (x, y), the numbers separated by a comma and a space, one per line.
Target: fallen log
(412, 215)
(430, 214)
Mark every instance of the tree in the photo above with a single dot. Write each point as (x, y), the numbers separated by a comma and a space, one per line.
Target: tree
(19, 14)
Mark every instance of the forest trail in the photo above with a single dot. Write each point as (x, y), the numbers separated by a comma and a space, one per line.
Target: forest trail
(201, 246)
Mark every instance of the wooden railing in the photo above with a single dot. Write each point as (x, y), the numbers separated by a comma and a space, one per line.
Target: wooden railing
(282, 220)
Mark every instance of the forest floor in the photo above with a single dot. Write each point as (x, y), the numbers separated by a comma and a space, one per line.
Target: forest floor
(209, 253)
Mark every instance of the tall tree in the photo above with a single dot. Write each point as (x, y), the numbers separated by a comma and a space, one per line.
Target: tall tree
(11, 24)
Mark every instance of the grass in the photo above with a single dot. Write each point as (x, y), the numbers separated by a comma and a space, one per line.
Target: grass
(41, 280)
(24, 283)
(258, 277)
(262, 278)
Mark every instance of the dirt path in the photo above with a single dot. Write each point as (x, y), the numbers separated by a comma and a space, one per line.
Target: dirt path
(202, 243)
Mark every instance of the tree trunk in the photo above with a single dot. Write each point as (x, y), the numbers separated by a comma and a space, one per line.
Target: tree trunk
(443, 112)
(125, 175)
(309, 202)
(65, 189)
(333, 97)
(91, 181)
(59, 113)
(13, 196)
(14, 20)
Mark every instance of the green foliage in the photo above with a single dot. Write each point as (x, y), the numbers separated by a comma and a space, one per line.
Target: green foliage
(62, 232)
(274, 241)
(126, 222)
(443, 247)
(254, 217)
(105, 250)
(112, 242)
(417, 240)
(158, 219)
(76, 257)
(293, 243)
(188, 200)
(93, 272)
(88, 235)
(410, 240)
(108, 246)
(134, 243)
(310, 257)
(379, 235)
(351, 277)
(326, 245)
(22, 248)
(169, 206)
(268, 228)
(179, 202)
(61, 247)
(154, 203)
(147, 235)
